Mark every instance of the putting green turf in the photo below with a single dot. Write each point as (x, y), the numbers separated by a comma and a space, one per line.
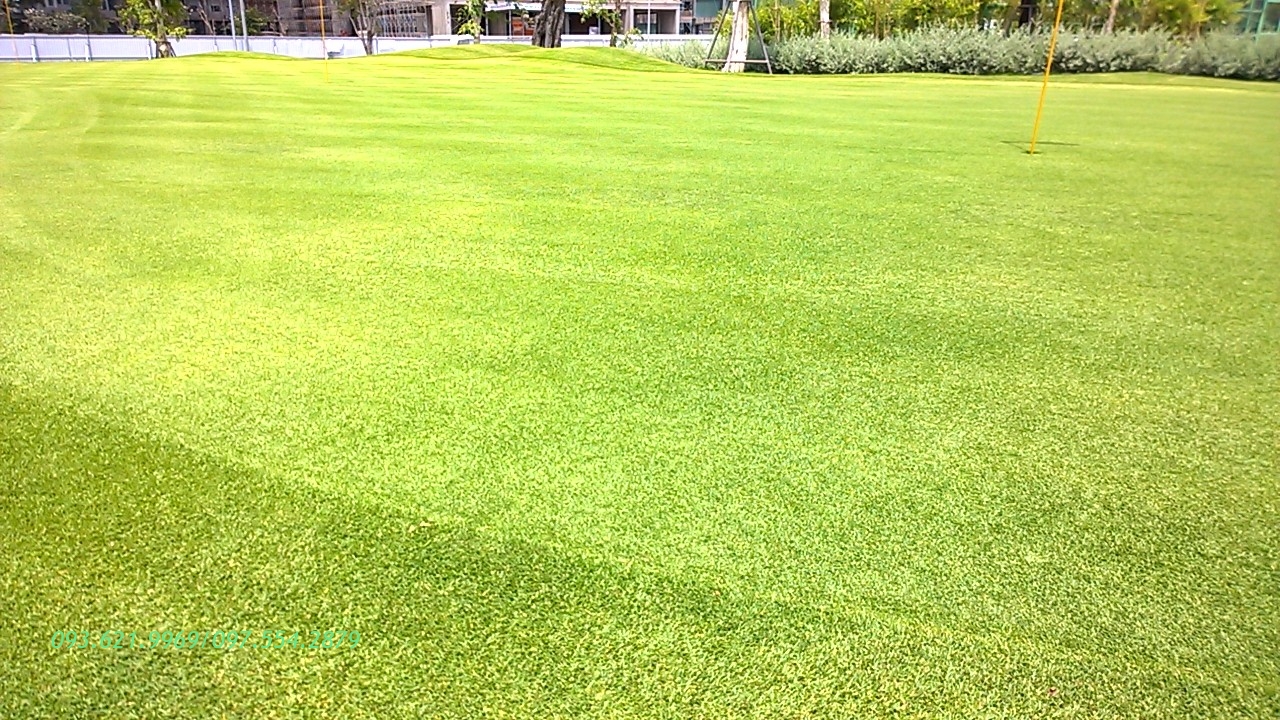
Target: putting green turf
(581, 385)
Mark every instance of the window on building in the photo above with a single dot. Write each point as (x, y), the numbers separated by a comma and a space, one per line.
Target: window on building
(707, 8)
(647, 22)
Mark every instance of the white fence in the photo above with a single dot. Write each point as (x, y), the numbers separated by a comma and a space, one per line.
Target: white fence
(61, 48)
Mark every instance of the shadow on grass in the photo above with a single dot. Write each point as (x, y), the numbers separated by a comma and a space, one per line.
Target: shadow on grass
(108, 530)
(1022, 145)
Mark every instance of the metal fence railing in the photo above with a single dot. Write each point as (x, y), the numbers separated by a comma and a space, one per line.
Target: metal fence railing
(63, 48)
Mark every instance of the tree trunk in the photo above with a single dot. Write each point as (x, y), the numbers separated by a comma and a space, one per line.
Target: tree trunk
(1027, 11)
(163, 48)
(824, 18)
(1110, 25)
(739, 37)
(363, 24)
(1202, 17)
(549, 24)
(202, 9)
(883, 21)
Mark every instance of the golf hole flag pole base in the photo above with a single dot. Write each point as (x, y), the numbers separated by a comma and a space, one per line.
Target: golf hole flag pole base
(1044, 84)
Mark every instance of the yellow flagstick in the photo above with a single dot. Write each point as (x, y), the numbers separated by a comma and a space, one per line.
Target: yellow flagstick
(324, 48)
(1044, 86)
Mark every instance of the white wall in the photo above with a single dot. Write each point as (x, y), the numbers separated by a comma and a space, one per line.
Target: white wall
(53, 48)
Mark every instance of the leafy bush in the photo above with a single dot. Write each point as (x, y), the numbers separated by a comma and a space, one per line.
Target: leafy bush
(797, 18)
(54, 22)
(1227, 55)
(781, 20)
(967, 52)
(1188, 17)
(1105, 52)
(95, 20)
(979, 52)
(690, 53)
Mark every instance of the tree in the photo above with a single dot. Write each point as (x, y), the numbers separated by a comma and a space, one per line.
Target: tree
(1027, 12)
(95, 20)
(613, 16)
(472, 20)
(824, 18)
(549, 24)
(364, 20)
(1110, 25)
(880, 17)
(781, 21)
(56, 22)
(256, 21)
(158, 20)
(202, 11)
(15, 20)
(1188, 17)
(264, 15)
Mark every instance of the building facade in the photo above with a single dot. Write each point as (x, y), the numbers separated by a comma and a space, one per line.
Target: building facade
(422, 18)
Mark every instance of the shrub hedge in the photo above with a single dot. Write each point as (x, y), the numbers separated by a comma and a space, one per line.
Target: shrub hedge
(980, 52)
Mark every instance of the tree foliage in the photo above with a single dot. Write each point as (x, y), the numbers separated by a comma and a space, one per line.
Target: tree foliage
(612, 14)
(472, 19)
(1188, 17)
(364, 20)
(95, 19)
(257, 21)
(158, 20)
(15, 21)
(883, 18)
(55, 22)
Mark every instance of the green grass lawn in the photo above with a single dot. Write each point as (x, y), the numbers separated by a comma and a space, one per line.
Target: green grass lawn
(583, 386)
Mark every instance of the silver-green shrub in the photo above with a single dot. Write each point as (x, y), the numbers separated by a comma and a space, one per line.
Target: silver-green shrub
(1227, 55)
(979, 52)
(690, 53)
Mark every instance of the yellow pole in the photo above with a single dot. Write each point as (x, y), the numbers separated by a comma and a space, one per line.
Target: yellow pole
(1044, 85)
(324, 48)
